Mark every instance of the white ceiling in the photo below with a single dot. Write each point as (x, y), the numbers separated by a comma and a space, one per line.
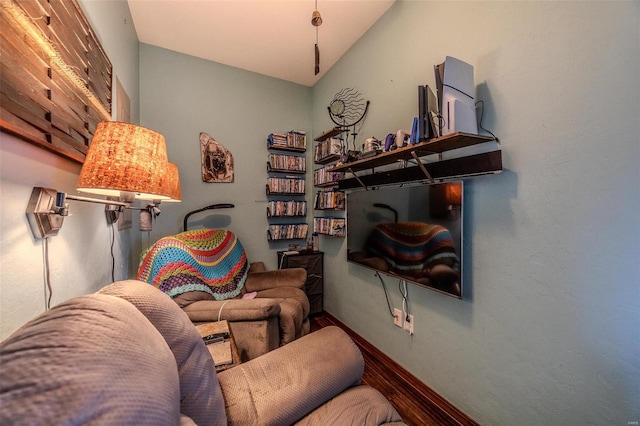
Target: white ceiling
(270, 37)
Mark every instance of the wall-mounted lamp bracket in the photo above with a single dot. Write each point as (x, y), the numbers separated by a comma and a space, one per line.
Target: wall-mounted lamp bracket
(46, 212)
(47, 208)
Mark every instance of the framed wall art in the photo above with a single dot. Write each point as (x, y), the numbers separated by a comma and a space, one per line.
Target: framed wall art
(217, 161)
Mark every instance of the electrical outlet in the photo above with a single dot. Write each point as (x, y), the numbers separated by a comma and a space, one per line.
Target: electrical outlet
(408, 324)
(397, 317)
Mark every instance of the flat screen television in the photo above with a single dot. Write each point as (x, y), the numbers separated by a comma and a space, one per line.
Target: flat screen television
(409, 232)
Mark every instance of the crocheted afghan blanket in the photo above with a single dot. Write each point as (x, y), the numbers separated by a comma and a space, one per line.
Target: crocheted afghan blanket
(411, 248)
(209, 260)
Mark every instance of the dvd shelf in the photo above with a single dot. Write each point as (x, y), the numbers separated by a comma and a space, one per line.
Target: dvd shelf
(282, 181)
(327, 152)
(329, 200)
(332, 226)
(286, 163)
(292, 140)
(290, 186)
(325, 176)
(289, 231)
(291, 208)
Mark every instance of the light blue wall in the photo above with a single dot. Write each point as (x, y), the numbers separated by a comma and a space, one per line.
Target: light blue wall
(80, 255)
(182, 96)
(548, 333)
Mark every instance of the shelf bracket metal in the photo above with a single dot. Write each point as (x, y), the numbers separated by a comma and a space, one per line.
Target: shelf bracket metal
(358, 179)
(422, 167)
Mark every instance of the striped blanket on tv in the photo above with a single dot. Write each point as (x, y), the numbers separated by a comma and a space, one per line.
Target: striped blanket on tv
(209, 260)
(411, 248)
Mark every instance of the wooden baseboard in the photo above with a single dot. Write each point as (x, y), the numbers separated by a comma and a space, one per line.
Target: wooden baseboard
(416, 402)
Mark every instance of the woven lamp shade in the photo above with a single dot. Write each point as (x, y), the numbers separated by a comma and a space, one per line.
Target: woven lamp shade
(172, 184)
(125, 157)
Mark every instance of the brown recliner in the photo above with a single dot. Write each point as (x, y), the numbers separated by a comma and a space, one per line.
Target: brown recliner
(128, 355)
(206, 272)
(276, 316)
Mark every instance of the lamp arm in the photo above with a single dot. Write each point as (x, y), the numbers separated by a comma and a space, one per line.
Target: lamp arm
(96, 200)
(211, 207)
(48, 207)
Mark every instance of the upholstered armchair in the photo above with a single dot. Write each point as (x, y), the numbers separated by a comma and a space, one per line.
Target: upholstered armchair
(206, 272)
(128, 355)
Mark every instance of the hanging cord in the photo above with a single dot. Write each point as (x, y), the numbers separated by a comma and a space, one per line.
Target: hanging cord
(316, 21)
(402, 286)
(47, 276)
(481, 103)
(220, 311)
(113, 258)
(386, 294)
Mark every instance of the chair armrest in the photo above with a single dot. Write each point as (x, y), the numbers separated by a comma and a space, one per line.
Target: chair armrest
(280, 387)
(292, 277)
(232, 310)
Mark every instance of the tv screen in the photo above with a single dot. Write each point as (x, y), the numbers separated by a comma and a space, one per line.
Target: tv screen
(411, 232)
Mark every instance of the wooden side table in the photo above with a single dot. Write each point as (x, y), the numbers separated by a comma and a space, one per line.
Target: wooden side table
(220, 352)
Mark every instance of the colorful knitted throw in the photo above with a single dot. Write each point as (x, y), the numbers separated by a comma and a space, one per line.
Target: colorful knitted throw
(410, 248)
(209, 260)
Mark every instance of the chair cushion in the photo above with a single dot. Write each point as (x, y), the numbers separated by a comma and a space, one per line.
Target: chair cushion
(91, 360)
(208, 260)
(200, 395)
(185, 299)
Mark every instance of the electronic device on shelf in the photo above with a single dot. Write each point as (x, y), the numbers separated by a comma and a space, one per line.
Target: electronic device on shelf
(428, 119)
(368, 154)
(456, 97)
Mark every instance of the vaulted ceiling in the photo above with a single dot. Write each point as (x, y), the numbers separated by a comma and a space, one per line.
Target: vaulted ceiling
(270, 37)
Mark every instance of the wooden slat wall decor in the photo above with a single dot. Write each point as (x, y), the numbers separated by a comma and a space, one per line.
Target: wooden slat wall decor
(56, 80)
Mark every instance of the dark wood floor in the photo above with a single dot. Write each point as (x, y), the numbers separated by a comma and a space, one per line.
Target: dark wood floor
(415, 402)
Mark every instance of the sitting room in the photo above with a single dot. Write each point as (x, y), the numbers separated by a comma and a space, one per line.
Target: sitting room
(536, 318)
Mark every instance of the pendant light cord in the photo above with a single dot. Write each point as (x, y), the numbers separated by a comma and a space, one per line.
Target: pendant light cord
(316, 21)
(316, 8)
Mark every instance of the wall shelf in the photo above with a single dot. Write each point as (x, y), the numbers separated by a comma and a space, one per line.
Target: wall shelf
(328, 159)
(271, 169)
(287, 231)
(279, 210)
(327, 153)
(329, 200)
(329, 134)
(286, 148)
(432, 146)
(472, 165)
(327, 184)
